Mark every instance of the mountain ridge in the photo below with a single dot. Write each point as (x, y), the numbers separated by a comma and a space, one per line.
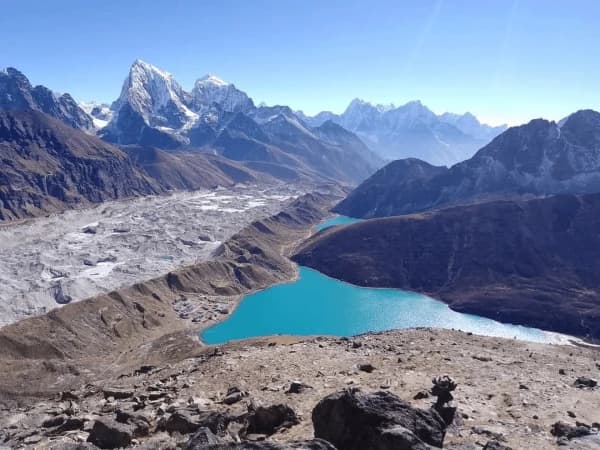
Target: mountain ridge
(528, 262)
(535, 159)
(412, 130)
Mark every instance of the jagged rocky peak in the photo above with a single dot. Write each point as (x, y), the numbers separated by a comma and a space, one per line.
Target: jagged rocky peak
(156, 96)
(583, 128)
(17, 94)
(470, 125)
(15, 90)
(413, 113)
(210, 90)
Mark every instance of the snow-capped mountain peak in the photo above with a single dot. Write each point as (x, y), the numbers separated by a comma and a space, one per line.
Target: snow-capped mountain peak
(212, 79)
(470, 125)
(156, 96)
(210, 90)
(99, 112)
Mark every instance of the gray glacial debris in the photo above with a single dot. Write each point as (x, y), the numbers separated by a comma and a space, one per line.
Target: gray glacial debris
(48, 253)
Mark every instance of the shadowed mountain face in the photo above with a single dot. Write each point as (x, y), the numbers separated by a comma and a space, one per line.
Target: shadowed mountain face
(539, 158)
(526, 262)
(47, 166)
(17, 94)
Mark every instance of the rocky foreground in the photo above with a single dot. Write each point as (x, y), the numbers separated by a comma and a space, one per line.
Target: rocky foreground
(268, 393)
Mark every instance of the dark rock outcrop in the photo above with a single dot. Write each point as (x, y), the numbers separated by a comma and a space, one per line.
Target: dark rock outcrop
(314, 444)
(107, 433)
(186, 422)
(495, 445)
(269, 419)
(562, 429)
(585, 382)
(526, 262)
(352, 420)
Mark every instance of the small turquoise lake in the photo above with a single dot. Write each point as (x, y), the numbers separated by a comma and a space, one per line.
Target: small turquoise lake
(318, 305)
(337, 220)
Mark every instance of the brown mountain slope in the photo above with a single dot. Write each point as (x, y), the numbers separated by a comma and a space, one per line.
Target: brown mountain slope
(527, 262)
(191, 170)
(47, 166)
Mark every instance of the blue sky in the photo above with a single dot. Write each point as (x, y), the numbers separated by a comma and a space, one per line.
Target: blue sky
(503, 60)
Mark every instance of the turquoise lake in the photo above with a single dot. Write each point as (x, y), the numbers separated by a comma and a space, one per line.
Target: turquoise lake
(318, 305)
(337, 220)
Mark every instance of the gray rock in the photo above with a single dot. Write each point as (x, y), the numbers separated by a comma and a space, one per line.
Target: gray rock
(201, 439)
(352, 420)
(233, 395)
(561, 429)
(297, 387)
(314, 444)
(585, 382)
(269, 419)
(117, 393)
(495, 445)
(185, 422)
(70, 424)
(367, 367)
(72, 446)
(421, 395)
(107, 433)
(54, 421)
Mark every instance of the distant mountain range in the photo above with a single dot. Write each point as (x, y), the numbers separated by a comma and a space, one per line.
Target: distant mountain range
(536, 159)
(412, 130)
(154, 110)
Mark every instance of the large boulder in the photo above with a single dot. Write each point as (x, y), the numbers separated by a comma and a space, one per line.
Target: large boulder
(107, 433)
(186, 422)
(352, 420)
(202, 439)
(269, 419)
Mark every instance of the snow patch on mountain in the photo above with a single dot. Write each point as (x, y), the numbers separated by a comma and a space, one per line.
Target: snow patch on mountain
(210, 90)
